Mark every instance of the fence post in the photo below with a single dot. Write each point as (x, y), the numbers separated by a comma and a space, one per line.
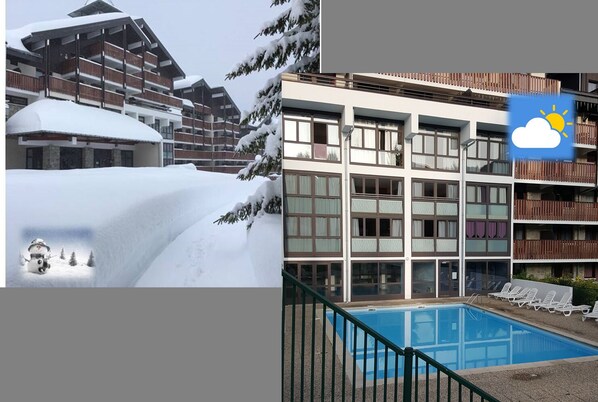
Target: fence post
(408, 370)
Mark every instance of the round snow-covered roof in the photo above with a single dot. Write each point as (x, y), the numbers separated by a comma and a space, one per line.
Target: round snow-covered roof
(67, 117)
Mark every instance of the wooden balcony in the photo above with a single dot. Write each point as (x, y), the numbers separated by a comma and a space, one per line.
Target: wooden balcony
(113, 75)
(62, 86)
(151, 59)
(156, 79)
(498, 82)
(113, 98)
(555, 249)
(539, 210)
(161, 98)
(586, 134)
(23, 82)
(187, 154)
(198, 124)
(226, 126)
(90, 93)
(134, 82)
(556, 171)
(202, 109)
(115, 52)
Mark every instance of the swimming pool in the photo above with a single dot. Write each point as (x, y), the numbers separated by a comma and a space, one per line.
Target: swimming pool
(458, 336)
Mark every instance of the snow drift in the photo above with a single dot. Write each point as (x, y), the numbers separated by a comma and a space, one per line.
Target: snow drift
(133, 214)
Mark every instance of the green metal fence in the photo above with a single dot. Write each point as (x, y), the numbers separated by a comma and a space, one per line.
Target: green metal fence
(320, 364)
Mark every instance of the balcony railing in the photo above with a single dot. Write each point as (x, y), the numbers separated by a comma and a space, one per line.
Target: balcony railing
(113, 98)
(585, 133)
(91, 93)
(151, 58)
(134, 82)
(187, 154)
(161, 98)
(556, 210)
(202, 109)
(555, 249)
(556, 171)
(23, 82)
(498, 82)
(199, 124)
(62, 86)
(228, 126)
(156, 79)
(388, 87)
(115, 52)
(113, 75)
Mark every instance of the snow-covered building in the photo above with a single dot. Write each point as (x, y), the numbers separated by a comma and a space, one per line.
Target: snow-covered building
(210, 127)
(399, 185)
(98, 58)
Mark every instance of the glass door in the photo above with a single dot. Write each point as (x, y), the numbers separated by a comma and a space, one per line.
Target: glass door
(448, 278)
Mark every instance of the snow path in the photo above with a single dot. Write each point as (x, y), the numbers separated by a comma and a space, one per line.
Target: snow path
(210, 255)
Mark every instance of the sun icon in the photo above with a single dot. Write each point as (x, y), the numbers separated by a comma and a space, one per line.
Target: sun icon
(556, 120)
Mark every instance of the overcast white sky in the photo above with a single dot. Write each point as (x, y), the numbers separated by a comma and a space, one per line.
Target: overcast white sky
(204, 37)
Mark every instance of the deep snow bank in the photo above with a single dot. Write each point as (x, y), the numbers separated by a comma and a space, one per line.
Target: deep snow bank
(132, 213)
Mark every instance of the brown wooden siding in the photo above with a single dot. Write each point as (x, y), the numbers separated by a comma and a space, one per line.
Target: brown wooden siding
(555, 210)
(22, 81)
(555, 249)
(556, 171)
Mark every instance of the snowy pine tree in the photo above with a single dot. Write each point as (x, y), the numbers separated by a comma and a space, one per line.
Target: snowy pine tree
(62, 257)
(297, 46)
(91, 262)
(73, 260)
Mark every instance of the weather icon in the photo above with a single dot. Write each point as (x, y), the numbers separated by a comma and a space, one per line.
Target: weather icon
(541, 135)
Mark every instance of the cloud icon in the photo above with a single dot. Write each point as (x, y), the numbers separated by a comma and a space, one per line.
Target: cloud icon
(537, 133)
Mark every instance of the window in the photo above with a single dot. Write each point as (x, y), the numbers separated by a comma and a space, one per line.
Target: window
(485, 276)
(311, 138)
(489, 155)
(168, 153)
(326, 278)
(433, 189)
(375, 142)
(167, 132)
(312, 214)
(423, 279)
(371, 280)
(487, 219)
(376, 215)
(71, 158)
(436, 148)
(35, 158)
(126, 158)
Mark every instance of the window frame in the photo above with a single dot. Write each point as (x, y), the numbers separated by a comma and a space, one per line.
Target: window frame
(488, 137)
(436, 132)
(378, 126)
(378, 283)
(312, 120)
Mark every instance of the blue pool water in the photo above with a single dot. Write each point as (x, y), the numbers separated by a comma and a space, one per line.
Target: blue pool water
(458, 336)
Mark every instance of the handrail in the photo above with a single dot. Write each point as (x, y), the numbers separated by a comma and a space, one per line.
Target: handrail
(411, 367)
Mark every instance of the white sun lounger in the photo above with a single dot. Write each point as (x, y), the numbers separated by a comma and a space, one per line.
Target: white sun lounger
(566, 299)
(518, 296)
(538, 304)
(529, 297)
(569, 308)
(593, 314)
(511, 292)
(503, 292)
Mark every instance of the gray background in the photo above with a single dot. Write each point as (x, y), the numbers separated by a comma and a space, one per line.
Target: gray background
(459, 35)
(139, 345)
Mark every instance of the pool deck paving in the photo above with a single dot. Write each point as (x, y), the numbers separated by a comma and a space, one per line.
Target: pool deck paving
(558, 380)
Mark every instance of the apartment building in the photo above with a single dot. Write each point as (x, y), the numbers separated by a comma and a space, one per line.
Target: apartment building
(401, 186)
(101, 58)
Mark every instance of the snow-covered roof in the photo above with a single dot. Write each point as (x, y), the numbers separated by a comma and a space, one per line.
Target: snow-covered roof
(187, 102)
(67, 117)
(187, 82)
(14, 37)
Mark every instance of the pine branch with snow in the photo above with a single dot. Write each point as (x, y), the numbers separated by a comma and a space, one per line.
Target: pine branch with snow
(296, 45)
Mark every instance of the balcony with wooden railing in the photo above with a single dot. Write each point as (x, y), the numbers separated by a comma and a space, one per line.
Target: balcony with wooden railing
(497, 82)
(586, 134)
(134, 82)
(540, 210)
(23, 82)
(151, 59)
(156, 79)
(90, 93)
(556, 171)
(115, 52)
(202, 109)
(161, 98)
(188, 154)
(114, 76)
(226, 126)
(555, 249)
(62, 86)
(114, 98)
(198, 124)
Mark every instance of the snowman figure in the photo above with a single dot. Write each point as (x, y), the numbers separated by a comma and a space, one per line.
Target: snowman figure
(39, 253)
